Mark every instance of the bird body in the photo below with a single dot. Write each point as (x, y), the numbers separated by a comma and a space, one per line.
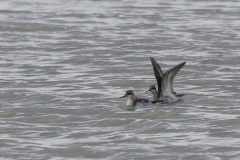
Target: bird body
(132, 100)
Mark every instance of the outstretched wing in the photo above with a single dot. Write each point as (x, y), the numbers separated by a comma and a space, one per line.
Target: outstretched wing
(158, 75)
(169, 76)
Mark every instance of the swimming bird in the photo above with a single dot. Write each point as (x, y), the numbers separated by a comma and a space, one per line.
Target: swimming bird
(133, 100)
(153, 90)
(165, 80)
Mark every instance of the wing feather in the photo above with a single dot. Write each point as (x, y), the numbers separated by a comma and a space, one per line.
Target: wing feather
(169, 76)
(158, 75)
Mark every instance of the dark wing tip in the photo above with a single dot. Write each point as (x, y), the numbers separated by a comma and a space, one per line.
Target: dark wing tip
(183, 63)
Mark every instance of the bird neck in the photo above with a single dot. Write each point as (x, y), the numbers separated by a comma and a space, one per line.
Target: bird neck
(133, 97)
(154, 93)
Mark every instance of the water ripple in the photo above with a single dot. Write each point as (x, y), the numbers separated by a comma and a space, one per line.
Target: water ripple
(64, 66)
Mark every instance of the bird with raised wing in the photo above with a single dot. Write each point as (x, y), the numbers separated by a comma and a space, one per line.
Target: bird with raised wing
(165, 80)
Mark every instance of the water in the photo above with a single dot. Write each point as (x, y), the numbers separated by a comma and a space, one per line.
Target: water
(64, 65)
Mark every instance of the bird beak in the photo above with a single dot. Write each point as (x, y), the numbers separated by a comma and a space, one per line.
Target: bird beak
(148, 90)
(123, 96)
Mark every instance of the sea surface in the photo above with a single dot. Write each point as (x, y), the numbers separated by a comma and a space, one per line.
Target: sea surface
(64, 65)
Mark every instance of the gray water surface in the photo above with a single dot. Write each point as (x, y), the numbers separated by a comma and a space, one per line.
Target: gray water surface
(64, 65)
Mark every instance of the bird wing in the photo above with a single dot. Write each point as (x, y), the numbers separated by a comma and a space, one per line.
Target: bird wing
(169, 76)
(158, 75)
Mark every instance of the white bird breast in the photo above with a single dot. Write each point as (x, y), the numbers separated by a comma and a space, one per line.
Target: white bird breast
(129, 102)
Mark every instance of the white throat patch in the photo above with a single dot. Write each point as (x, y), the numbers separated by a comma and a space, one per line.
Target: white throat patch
(129, 102)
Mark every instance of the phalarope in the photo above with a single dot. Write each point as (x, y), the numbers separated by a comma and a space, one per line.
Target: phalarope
(165, 80)
(133, 100)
